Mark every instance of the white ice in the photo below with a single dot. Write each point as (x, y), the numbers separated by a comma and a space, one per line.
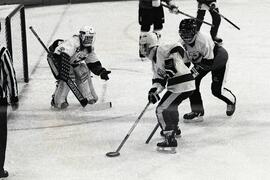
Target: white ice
(69, 145)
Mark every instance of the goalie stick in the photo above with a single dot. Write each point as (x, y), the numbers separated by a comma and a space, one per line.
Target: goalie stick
(64, 75)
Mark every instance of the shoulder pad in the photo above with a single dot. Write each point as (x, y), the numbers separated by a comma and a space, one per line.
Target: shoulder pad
(178, 49)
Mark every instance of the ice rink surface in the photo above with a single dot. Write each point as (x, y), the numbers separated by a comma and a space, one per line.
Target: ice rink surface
(70, 145)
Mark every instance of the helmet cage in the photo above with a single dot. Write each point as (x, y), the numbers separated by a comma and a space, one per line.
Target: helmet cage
(87, 36)
(147, 42)
(188, 30)
(188, 35)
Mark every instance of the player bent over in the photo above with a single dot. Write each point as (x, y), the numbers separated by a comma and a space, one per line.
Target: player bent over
(206, 56)
(80, 50)
(170, 73)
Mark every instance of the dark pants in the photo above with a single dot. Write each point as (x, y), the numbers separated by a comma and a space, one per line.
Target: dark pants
(167, 109)
(152, 16)
(218, 72)
(3, 131)
(215, 21)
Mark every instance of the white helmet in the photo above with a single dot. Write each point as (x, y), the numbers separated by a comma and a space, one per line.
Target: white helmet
(87, 36)
(147, 42)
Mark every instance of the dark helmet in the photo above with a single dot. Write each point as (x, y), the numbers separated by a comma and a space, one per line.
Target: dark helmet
(188, 30)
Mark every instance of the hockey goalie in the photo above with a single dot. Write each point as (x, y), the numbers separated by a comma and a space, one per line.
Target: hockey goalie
(79, 51)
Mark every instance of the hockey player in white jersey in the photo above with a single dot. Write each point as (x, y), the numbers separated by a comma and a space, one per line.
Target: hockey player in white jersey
(170, 73)
(206, 57)
(83, 60)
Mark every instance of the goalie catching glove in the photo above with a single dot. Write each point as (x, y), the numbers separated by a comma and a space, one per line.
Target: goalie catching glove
(153, 96)
(104, 74)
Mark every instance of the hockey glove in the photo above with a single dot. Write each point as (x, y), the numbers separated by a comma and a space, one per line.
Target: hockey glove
(104, 74)
(14, 102)
(173, 9)
(153, 96)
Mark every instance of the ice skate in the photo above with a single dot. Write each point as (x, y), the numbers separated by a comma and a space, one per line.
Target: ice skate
(230, 109)
(63, 105)
(193, 117)
(92, 101)
(3, 174)
(169, 144)
(177, 132)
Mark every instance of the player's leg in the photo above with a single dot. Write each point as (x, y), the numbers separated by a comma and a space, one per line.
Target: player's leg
(219, 75)
(3, 135)
(168, 118)
(158, 20)
(60, 96)
(92, 91)
(196, 103)
(168, 125)
(200, 15)
(82, 74)
(145, 20)
(216, 19)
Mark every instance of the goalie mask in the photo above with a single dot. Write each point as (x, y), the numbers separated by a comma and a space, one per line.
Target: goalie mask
(147, 42)
(87, 36)
(188, 30)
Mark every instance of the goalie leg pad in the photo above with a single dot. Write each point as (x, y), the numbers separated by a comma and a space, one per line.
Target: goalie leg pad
(81, 78)
(61, 94)
(92, 89)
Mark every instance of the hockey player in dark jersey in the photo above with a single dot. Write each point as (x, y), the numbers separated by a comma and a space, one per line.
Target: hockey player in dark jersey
(207, 56)
(170, 73)
(151, 13)
(209, 5)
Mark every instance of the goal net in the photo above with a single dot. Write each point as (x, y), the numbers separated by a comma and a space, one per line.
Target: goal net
(13, 36)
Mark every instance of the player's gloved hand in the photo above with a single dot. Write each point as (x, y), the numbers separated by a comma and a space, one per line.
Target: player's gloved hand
(173, 9)
(14, 102)
(104, 74)
(212, 6)
(153, 96)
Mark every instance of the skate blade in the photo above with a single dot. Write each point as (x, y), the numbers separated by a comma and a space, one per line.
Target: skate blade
(167, 150)
(195, 120)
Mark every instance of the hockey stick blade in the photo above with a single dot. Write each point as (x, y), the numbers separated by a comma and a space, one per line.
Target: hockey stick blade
(112, 154)
(116, 153)
(98, 106)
